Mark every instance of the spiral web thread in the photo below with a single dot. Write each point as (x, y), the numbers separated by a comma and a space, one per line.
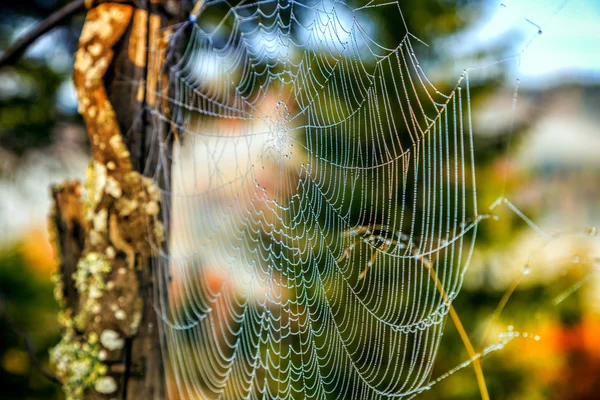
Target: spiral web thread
(320, 205)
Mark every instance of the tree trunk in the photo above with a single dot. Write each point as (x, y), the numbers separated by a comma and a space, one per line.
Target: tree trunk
(105, 240)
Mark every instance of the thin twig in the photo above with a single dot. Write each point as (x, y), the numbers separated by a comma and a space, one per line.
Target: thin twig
(16, 50)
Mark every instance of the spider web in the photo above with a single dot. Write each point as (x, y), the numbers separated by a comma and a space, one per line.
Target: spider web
(319, 204)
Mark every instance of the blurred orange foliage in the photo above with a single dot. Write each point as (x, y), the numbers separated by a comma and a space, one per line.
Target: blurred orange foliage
(38, 252)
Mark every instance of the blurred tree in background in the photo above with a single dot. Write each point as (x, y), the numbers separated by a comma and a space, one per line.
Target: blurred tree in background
(35, 93)
(36, 108)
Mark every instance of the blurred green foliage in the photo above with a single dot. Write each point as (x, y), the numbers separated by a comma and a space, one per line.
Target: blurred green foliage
(30, 90)
(28, 113)
(29, 311)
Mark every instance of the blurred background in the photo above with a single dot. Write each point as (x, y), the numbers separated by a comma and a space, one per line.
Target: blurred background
(535, 75)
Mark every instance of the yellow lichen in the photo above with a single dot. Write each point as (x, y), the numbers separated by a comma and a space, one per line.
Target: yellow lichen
(91, 284)
(90, 273)
(78, 365)
(59, 289)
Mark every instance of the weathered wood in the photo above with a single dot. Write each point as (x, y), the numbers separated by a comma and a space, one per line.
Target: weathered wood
(111, 346)
(67, 219)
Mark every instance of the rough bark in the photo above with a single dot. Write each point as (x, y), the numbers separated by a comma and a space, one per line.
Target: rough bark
(106, 240)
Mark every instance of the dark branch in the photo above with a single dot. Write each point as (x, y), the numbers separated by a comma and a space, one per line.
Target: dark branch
(16, 50)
